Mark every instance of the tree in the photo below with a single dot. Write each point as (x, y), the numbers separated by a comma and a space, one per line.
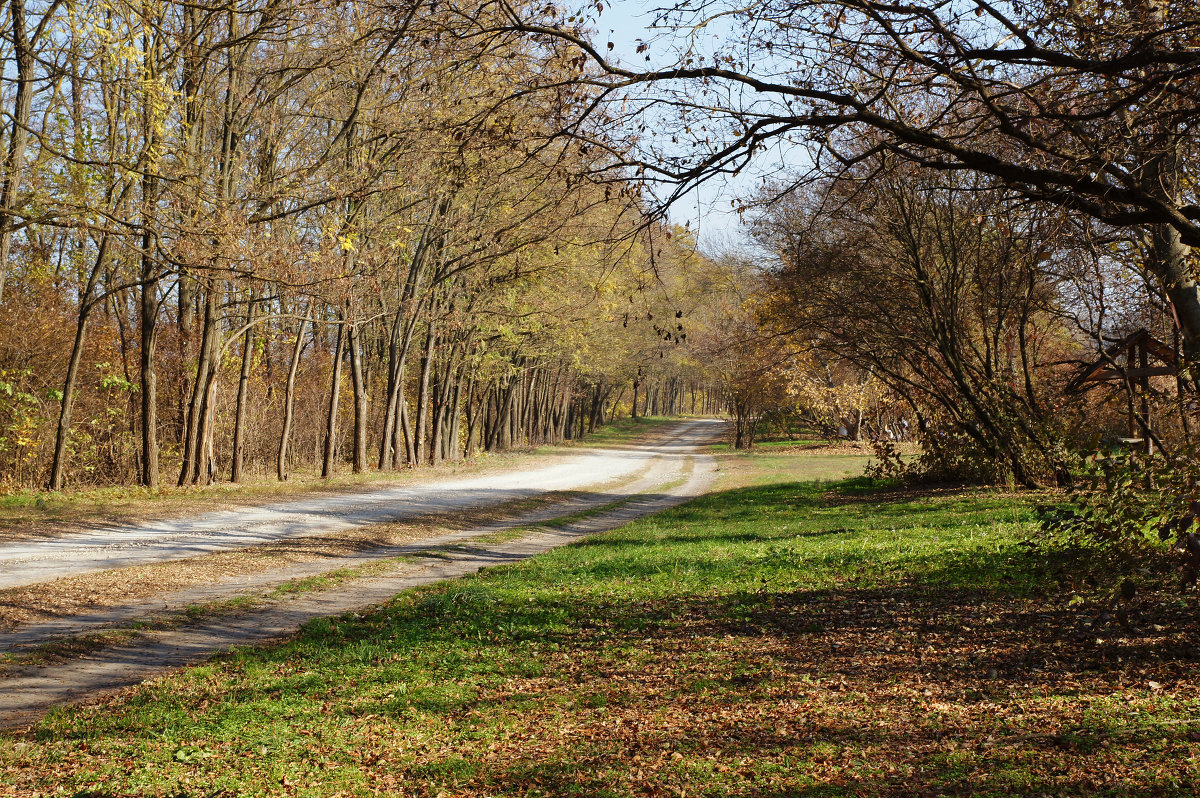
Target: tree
(215, 195)
(934, 283)
(1088, 106)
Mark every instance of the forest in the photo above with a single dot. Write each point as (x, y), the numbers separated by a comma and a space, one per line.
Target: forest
(377, 419)
(972, 228)
(249, 239)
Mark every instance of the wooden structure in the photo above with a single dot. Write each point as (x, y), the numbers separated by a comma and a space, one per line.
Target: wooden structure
(1132, 361)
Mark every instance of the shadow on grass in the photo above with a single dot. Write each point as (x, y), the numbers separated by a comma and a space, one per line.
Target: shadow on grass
(563, 775)
(874, 663)
(948, 678)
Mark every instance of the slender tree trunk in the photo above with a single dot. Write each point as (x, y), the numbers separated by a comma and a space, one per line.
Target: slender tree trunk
(289, 397)
(473, 407)
(148, 317)
(516, 411)
(239, 420)
(533, 408)
(493, 418)
(419, 451)
(546, 409)
(395, 386)
(208, 461)
(193, 444)
(437, 416)
(395, 415)
(489, 417)
(204, 465)
(185, 303)
(560, 428)
(612, 413)
(598, 399)
(444, 394)
(149, 273)
(14, 161)
(335, 392)
(86, 303)
(360, 400)
(501, 437)
(453, 451)
(402, 434)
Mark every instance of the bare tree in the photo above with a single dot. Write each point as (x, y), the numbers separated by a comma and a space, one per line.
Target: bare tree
(1094, 106)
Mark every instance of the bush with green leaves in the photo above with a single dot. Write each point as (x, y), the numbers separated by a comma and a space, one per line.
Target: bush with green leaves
(1130, 502)
(947, 456)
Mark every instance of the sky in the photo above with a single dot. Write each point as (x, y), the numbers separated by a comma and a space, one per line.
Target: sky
(707, 209)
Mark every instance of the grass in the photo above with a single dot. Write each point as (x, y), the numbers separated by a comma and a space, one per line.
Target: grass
(787, 636)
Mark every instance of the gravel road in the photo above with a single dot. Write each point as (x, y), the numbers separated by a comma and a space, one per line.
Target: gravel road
(671, 471)
(30, 562)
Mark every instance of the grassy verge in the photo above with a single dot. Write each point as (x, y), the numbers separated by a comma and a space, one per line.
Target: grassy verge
(775, 638)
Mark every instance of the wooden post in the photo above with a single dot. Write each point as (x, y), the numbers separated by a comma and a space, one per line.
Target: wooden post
(1143, 383)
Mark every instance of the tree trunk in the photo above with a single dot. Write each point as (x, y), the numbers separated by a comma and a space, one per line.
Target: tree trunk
(14, 161)
(289, 397)
(86, 302)
(474, 406)
(404, 432)
(437, 416)
(185, 289)
(149, 274)
(612, 413)
(1169, 261)
(499, 436)
(400, 436)
(335, 393)
(207, 465)
(239, 420)
(193, 448)
(204, 465)
(360, 401)
(419, 452)
(454, 426)
(395, 385)
(148, 318)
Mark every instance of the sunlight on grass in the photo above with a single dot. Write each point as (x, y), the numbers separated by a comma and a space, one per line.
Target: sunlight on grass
(787, 635)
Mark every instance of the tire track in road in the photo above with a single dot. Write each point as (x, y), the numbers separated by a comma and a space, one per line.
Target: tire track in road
(29, 692)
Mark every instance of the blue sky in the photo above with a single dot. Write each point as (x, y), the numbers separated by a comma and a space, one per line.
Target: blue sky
(708, 208)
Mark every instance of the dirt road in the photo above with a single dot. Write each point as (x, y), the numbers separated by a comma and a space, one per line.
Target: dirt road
(618, 485)
(31, 562)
